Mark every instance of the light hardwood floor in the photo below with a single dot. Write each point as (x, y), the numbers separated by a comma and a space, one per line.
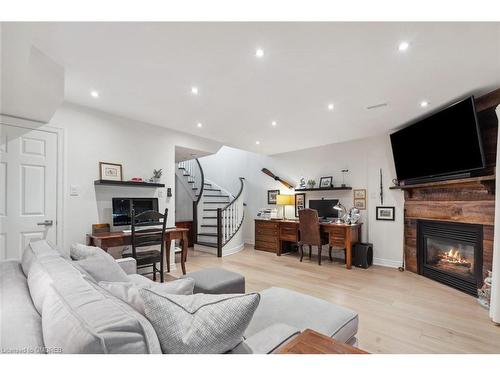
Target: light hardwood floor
(399, 312)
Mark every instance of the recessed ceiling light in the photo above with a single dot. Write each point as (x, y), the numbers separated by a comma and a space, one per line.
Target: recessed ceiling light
(274, 123)
(259, 52)
(199, 124)
(257, 142)
(194, 90)
(94, 94)
(403, 46)
(330, 107)
(424, 103)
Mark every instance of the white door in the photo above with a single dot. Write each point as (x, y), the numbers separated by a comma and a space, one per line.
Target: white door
(28, 188)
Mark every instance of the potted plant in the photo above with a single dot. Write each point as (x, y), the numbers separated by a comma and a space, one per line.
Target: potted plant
(157, 175)
(311, 183)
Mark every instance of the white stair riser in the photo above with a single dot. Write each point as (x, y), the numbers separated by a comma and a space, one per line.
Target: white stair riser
(209, 229)
(209, 239)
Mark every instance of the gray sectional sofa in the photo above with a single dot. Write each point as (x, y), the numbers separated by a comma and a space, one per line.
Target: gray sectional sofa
(49, 306)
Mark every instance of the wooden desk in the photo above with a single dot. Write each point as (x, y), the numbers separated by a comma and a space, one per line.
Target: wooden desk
(312, 342)
(106, 240)
(270, 235)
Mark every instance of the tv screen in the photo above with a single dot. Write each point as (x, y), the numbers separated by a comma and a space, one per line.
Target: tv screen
(444, 143)
(122, 208)
(324, 207)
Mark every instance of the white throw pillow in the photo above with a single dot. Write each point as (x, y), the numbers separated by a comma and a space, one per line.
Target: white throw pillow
(200, 323)
(129, 292)
(79, 251)
(101, 267)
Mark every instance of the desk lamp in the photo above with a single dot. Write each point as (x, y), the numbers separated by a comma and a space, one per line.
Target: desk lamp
(285, 200)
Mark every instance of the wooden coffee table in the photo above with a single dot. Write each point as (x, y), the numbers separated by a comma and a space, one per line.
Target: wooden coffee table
(312, 342)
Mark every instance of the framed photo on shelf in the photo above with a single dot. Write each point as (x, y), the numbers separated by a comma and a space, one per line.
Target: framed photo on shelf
(360, 203)
(110, 171)
(271, 196)
(385, 213)
(359, 193)
(326, 182)
(300, 203)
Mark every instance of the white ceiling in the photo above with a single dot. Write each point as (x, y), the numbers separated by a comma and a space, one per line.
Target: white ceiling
(145, 71)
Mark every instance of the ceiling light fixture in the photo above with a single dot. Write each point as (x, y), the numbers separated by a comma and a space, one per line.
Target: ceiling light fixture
(403, 46)
(424, 103)
(194, 90)
(330, 107)
(199, 125)
(259, 52)
(274, 123)
(94, 94)
(257, 142)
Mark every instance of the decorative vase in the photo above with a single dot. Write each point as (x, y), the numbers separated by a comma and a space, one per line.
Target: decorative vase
(484, 294)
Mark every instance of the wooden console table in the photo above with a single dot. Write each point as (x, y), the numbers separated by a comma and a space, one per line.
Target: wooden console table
(312, 342)
(106, 240)
(270, 235)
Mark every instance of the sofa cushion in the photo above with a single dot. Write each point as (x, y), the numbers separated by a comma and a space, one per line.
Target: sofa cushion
(201, 323)
(34, 250)
(129, 292)
(301, 311)
(267, 340)
(217, 281)
(79, 251)
(101, 267)
(20, 323)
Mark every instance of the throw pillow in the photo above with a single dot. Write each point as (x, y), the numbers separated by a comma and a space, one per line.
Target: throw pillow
(101, 267)
(80, 251)
(129, 292)
(200, 323)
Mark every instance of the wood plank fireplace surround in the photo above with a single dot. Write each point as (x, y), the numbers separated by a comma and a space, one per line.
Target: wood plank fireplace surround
(448, 225)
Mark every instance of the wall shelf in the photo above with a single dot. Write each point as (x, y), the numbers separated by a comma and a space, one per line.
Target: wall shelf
(127, 183)
(338, 188)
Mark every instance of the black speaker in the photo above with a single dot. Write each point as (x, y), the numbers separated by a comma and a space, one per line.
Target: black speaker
(362, 255)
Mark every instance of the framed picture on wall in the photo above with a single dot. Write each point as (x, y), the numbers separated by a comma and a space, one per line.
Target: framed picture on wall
(385, 213)
(360, 204)
(300, 203)
(359, 193)
(326, 182)
(110, 171)
(271, 196)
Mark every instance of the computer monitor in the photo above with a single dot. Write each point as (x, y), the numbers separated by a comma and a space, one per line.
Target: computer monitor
(122, 208)
(324, 207)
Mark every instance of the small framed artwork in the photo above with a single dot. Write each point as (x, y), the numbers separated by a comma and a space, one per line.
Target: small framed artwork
(359, 193)
(110, 171)
(360, 204)
(300, 203)
(326, 182)
(271, 196)
(385, 213)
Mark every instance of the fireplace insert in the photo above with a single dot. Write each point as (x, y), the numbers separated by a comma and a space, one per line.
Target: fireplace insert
(451, 253)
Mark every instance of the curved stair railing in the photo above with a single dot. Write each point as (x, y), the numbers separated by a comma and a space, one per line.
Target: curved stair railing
(230, 218)
(196, 179)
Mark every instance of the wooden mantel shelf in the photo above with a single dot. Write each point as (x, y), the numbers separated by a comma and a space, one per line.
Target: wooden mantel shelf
(487, 181)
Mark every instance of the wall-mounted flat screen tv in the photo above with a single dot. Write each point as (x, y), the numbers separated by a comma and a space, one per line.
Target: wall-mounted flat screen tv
(122, 208)
(447, 142)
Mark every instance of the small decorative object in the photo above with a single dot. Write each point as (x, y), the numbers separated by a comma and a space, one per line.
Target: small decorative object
(354, 216)
(360, 204)
(136, 179)
(272, 196)
(302, 183)
(484, 294)
(385, 213)
(381, 189)
(344, 173)
(326, 182)
(359, 193)
(300, 203)
(311, 183)
(276, 178)
(396, 182)
(157, 175)
(110, 171)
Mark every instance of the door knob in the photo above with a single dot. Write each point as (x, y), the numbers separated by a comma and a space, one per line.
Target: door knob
(47, 223)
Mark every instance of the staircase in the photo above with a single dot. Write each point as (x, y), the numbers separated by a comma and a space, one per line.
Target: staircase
(217, 214)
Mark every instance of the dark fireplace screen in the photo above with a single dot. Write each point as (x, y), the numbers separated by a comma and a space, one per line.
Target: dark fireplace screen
(451, 253)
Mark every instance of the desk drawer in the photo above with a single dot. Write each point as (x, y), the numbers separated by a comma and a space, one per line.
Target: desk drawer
(288, 232)
(259, 231)
(264, 224)
(266, 246)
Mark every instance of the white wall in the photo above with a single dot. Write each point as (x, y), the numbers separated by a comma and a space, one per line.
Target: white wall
(92, 136)
(183, 203)
(363, 158)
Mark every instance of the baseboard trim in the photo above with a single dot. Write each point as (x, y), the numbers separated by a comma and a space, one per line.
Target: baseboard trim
(386, 262)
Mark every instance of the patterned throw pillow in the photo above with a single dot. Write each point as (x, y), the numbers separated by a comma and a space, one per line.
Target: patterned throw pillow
(200, 323)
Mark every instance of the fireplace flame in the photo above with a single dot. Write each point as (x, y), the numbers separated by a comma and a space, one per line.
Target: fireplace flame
(454, 256)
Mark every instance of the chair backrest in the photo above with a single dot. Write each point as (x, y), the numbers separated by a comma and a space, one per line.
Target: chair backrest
(309, 227)
(100, 228)
(145, 231)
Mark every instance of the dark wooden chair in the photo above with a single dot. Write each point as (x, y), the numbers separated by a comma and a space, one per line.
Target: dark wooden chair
(310, 233)
(145, 233)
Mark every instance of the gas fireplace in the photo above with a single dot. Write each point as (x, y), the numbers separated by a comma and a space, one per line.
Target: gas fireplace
(451, 253)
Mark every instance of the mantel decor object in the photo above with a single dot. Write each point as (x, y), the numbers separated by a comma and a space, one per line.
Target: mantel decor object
(344, 173)
(157, 173)
(110, 171)
(326, 182)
